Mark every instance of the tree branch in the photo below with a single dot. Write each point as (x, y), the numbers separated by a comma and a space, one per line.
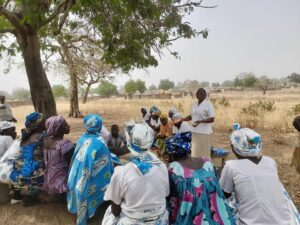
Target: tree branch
(12, 18)
(8, 30)
(69, 4)
(55, 14)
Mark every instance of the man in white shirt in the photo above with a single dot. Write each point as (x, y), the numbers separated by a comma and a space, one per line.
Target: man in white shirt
(179, 126)
(202, 115)
(7, 135)
(5, 111)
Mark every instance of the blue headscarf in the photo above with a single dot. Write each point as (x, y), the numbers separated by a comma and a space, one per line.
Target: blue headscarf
(32, 122)
(180, 144)
(93, 123)
(155, 111)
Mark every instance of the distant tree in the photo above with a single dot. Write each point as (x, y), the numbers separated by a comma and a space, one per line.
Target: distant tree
(152, 88)
(191, 85)
(21, 94)
(4, 93)
(166, 84)
(107, 89)
(204, 84)
(215, 85)
(59, 91)
(228, 83)
(294, 78)
(245, 80)
(141, 86)
(264, 83)
(130, 87)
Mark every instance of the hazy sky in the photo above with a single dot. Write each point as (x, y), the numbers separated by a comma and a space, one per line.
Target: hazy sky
(260, 36)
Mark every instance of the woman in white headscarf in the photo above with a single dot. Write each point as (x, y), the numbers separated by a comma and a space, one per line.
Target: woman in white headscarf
(138, 190)
(261, 198)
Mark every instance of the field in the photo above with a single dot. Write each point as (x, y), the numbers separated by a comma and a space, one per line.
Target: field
(272, 120)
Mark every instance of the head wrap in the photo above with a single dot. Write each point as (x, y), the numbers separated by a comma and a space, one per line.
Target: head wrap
(180, 144)
(155, 111)
(246, 142)
(177, 117)
(163, 116)
(53, 124)
(5, 125)
(33, 120)
(173, 110)
(140, 138)
(93, 123)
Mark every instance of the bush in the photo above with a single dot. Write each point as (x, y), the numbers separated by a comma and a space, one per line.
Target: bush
(224, 101)
(296, 109)
(258, 108)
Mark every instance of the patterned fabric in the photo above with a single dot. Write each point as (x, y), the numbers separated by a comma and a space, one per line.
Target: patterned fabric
(180, 144)
(5, 125)
(155, 111)
(139, 140)
(246, 142)
(196, 197)
(93, 123)
(33, 121)
(53, 124)
(57, 167)
(90, 172)
(28, 168)
(110, 219)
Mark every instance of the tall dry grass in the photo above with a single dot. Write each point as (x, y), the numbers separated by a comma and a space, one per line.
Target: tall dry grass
(119, 110)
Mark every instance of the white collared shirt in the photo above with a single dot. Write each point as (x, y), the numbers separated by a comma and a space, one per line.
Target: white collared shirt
(184, 127)
(201, 112)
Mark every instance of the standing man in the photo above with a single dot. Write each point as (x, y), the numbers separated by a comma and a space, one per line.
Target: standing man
(5, 111)
(202, 115)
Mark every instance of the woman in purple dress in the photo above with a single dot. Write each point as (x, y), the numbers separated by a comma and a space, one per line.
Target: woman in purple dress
(57, 152)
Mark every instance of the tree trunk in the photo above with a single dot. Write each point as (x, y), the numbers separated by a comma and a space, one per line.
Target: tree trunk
(40, 89)
(74, 104)
(86, 93)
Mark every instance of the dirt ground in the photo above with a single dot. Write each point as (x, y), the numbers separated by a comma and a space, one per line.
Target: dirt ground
(278, 146)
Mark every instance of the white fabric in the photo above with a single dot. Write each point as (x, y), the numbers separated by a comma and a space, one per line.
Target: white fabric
(5, 112)
(184, 127)
(6, 162)
(5, 142)
(177, 116)
(5, 125)
(139, 196)
(258, 191)
(104, 134)
(201, 112)
(155, 123)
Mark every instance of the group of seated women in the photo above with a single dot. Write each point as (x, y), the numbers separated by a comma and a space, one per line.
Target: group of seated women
(144, 190)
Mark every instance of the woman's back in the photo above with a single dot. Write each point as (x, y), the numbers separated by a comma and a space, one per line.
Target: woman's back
(196, 196)
(258, 190)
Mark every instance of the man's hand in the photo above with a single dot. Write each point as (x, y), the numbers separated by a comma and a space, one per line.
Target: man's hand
(195, 124)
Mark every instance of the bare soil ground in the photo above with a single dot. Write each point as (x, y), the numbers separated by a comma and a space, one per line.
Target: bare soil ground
(278, 146)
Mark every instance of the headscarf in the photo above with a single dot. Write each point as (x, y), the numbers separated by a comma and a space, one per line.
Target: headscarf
(163, 116)
(53, 125)
(93, 123)
(32, 122)
(140, 138)
(173, 110)
(155, 111)
(5, 125)
(246, 142)
(179, 145)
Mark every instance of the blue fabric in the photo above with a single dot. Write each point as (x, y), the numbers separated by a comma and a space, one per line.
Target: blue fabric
(89, 176)
(33, 119)
(142, 164)
(93, 123)
(180, 144)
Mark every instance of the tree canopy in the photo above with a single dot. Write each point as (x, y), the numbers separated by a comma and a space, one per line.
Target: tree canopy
(107, 89)
(166, 84)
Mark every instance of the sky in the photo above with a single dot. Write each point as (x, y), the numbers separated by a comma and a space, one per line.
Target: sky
(259, 36)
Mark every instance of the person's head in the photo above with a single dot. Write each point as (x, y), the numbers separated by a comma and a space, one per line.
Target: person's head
(296, 123)
(246, 143)
(2, 99)
(179, 146)
(93, 123)
(35, 122)
(155, 112)
(8, 129)
(144, 111)
(139, 138)
(172, 111)
(201, 94)
(57, 126)
(164, 119)
(115, 130)
(177, 119)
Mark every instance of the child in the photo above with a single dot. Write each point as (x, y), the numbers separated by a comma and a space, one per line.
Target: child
(165, 131)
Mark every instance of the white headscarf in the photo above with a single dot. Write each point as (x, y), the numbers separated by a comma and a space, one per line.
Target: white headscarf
(5, 125)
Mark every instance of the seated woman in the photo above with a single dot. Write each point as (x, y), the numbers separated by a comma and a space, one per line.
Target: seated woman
(180, 126)
(28, 168)
(57, 152)
(117, 142)
(139, 189)
(7, 136)
(154, 121)
(254, 180)
(90, 171)
(195, 193)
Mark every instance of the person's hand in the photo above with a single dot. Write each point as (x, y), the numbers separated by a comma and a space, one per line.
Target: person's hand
(14, 120)
(195, 124)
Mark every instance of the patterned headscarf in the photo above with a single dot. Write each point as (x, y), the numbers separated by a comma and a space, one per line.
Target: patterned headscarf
(140, 138)
(93, 123)
(155, 111)
(180, 144)
(33, 120)
(246, 142)
(53, 124)
(5, 125)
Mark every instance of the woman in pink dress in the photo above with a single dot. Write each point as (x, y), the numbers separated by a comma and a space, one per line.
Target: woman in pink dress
(57, 154)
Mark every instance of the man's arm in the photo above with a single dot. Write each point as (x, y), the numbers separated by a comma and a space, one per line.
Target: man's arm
(115, 209)
(209, 120)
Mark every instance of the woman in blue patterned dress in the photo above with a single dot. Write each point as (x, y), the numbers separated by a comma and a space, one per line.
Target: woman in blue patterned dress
(196, 197)
(90, 172)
